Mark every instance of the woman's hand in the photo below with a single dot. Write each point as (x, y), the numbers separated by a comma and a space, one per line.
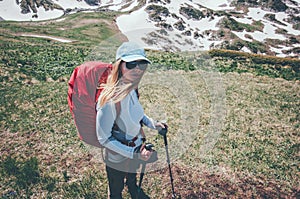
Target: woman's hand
(161, 125)
(144, 153)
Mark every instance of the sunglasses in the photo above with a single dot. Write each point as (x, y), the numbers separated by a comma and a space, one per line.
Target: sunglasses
(142, 64)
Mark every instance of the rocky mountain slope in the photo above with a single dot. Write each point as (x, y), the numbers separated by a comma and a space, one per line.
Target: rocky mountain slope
(266, 26)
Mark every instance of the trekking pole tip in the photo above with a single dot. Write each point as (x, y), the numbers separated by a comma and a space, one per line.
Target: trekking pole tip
(175, 196)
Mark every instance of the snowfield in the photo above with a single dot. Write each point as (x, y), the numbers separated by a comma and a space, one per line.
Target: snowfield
(197, 34)
(137, 25)
(9, 10)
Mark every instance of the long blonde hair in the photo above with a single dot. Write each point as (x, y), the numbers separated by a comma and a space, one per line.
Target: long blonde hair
(113, 89)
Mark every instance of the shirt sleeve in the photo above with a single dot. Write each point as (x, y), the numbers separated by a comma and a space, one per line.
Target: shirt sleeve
(149, 122)
(106, 116)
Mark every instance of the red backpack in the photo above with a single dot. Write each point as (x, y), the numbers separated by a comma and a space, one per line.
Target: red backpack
(83, 95)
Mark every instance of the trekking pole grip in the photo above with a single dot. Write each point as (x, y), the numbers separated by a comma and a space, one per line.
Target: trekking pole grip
(149, 146)
(163, 131)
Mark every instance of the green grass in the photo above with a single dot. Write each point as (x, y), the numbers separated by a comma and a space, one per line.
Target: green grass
(232, 24)
(41, 60)
(94, 28)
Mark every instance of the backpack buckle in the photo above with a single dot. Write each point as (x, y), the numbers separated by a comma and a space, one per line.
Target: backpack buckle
(131, 143)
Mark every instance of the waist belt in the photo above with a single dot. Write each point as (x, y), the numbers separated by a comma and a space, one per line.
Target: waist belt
(119, 135)
(129, 142)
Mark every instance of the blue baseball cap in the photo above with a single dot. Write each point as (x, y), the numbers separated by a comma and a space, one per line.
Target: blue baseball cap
(130, 51)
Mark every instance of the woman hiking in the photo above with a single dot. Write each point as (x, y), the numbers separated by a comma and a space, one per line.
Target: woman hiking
(120, 117)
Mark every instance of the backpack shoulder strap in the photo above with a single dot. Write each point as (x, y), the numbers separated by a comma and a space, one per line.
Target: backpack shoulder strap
(118, 104)
(137, 93)
(118, 109)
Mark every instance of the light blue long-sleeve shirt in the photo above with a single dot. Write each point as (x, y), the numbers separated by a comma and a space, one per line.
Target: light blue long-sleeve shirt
(131, 114)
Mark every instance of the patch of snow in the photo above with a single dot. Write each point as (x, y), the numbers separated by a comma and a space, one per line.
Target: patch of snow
(270, 32)
(296, 45)
(279, 50)
(243, 20)
(270, 27)
(59, 20)
(9, 10)
(131, 6)
(280, 16)
(292, 5)
(208, 44)
(242, 36)
(134, 20)
(215, 4)
(65, 4)
(110, 2)
(256, 13)
(246, 50)
(48, 37)
(135, 25)
(117, 5)
(205, 24)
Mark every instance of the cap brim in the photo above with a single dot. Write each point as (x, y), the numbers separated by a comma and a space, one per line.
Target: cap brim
(134, 58)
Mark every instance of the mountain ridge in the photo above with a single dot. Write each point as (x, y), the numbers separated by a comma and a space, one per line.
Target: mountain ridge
(263, 27)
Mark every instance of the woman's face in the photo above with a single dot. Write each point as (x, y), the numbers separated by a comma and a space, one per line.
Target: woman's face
(133, 72)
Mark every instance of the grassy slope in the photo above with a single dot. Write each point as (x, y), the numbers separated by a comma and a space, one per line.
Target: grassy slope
(255, 156)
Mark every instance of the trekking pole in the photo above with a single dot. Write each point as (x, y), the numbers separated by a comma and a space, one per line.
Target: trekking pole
(148, 146)
(163, 132)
